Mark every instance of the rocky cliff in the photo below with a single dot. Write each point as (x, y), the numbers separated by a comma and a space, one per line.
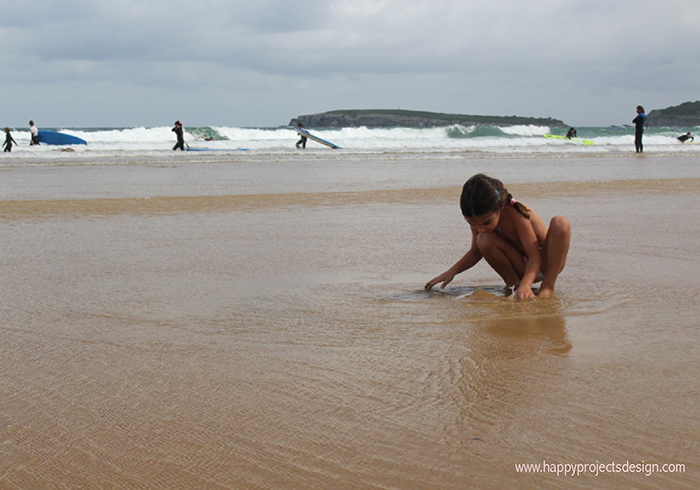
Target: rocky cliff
(380, 118)
(686, 115)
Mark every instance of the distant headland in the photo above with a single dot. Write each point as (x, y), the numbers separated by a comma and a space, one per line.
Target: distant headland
(386, 118)
(685, 115)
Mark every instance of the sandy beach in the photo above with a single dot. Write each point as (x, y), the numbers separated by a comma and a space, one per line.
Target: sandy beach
(231, 323)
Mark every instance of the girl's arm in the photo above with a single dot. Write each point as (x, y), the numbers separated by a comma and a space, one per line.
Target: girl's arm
(469, 260)
(531, 246)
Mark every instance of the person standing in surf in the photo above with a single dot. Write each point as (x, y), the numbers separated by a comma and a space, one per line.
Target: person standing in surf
(639, 123)
(9, 140)
(34, 132)
(513, 239)
(180, 136)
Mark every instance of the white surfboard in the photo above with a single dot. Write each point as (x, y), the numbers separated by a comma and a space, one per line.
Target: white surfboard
(303, 132)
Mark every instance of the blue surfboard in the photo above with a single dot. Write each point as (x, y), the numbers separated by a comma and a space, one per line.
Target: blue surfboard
(56, 138)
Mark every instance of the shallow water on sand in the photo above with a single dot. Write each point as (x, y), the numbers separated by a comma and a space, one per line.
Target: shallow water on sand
(283, 339)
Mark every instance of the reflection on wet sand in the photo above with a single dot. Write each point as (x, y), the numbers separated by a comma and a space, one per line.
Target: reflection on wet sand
(527, 327)
(513, 354)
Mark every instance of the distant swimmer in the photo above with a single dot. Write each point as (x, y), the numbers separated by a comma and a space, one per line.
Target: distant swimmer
(685, 137)
(34, 133)
(571, 133)
(180, 136)
(302, 142)
(8, 140)
(639, 122)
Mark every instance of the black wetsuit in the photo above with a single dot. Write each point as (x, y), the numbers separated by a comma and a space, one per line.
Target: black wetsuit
(180, 138)
(684, 137)
(639, 131)
(302, 142)
(8, 142)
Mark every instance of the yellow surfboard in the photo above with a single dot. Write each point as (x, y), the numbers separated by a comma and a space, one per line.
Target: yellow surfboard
(574, 140)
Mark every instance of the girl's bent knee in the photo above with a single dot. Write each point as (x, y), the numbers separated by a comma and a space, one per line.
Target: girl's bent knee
(560, 224)
(485, 241)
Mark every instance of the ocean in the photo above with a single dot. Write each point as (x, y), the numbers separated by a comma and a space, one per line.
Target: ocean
(143, 141)
(257, 319)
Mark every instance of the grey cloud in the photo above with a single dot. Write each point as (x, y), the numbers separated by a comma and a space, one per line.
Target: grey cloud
(508, 54)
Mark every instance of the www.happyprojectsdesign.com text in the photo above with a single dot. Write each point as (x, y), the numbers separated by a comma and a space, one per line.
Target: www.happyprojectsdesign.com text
(598, 468)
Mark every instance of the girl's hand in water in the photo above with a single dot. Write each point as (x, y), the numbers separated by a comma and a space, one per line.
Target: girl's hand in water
(444, 278)
(524, 293)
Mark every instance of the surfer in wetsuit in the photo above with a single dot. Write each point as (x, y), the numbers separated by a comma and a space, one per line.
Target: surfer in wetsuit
(34, 133)
(8, 140)
(302, 142)
(685, 137)
(639, 122)
(180, 136)
(571, 133)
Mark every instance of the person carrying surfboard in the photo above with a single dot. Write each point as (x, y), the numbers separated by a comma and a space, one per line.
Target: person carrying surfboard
(180, 136)
(571, 133)
(8, 140)
(302, 142)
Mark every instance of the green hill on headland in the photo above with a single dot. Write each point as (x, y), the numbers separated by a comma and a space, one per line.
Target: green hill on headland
(384, 118)
(685, 115)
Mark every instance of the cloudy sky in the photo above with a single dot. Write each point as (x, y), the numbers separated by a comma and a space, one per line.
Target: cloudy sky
(262, 62)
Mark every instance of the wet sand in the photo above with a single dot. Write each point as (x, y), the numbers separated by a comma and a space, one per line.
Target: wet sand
(189, 339)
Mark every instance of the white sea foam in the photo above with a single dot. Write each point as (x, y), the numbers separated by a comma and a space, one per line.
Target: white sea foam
(455, 140)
